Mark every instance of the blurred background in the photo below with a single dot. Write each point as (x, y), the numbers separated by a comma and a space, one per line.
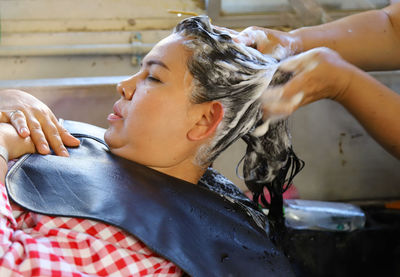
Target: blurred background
(71, 54)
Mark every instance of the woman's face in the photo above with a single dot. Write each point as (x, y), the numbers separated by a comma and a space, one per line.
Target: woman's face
(152, 118)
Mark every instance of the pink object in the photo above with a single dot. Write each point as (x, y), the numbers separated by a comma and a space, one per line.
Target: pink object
(291, 193)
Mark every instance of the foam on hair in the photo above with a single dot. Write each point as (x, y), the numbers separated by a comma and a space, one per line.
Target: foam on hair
(237, 76)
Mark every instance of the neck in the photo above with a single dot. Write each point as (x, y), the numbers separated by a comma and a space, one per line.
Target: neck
(187, 171)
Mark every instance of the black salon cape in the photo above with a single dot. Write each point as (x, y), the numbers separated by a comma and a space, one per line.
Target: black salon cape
(204, 232)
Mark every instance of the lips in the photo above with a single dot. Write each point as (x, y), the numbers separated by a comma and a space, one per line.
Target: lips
(116, 115)
(117, 110)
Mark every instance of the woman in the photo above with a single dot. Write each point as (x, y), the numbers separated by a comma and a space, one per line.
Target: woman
(196, 93)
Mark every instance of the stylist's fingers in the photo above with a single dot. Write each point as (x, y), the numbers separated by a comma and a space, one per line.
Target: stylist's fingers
(227, 30)
(277, 44)
(281, 101)
(252, 36)
(317, 74)
(243, 37)
(303, 62)
(304, 87)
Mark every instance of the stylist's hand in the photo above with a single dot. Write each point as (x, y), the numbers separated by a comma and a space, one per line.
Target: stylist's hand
(317, 74)
(31, 117)
(278, 44)
(15, 144)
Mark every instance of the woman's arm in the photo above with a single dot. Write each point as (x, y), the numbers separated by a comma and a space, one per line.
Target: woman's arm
(36, 120)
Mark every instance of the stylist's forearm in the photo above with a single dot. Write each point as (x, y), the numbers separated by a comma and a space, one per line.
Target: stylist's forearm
(376, 107)
(369, 40)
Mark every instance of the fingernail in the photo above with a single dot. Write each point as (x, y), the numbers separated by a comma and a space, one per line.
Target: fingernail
(44, 147)
(24, 130)
(65, 153)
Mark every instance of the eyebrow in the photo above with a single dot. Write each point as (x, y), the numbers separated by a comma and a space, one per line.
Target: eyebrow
(157, 62)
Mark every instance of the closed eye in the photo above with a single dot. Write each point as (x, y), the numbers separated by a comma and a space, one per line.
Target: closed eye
(153, 79)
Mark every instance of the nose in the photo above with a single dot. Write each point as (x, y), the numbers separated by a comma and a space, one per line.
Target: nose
(127, 87)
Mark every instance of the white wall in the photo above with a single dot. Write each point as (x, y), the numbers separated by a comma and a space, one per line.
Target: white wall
(43, 26)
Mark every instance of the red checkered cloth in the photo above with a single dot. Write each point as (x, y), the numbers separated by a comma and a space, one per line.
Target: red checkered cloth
(37, 245)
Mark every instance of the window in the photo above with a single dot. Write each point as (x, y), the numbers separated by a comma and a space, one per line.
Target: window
(292, 13)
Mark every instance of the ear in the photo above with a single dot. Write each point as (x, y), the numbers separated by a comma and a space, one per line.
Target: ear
(212, 114)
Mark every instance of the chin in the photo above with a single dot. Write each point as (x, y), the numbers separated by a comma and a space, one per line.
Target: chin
(108, 138)
(114, 142)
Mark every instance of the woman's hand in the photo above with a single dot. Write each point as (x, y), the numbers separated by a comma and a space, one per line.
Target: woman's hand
(15, 145)
(317, 74)
(31, 117)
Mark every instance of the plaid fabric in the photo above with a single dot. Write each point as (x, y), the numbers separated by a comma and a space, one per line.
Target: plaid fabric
(37, 245)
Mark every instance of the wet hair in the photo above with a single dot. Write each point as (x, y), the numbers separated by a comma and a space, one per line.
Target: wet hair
(237, 76)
